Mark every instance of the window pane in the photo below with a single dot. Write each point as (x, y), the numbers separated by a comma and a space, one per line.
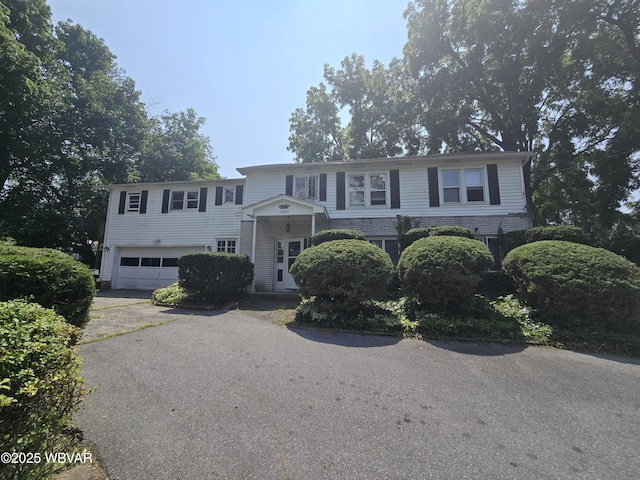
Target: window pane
(134, 202)
(150, 262)
(231, 246)
(473, 178)
(129, 261)
(378, 182)
(169, 262)
(451, 178)
(228, 195)
(301, 187)
(177, 200)
(356, 181)
(378, 198)
(222, 245)
(192, 199)
(451, 195)
(475, 194)
(313, 187)
(356, 198)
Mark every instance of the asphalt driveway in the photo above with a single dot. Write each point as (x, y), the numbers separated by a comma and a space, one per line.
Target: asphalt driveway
(224, 395)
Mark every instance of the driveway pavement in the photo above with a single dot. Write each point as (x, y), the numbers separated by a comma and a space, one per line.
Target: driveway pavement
(224, 395)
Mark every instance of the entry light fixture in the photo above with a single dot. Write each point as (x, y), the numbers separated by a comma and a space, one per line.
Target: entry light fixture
(287, 227)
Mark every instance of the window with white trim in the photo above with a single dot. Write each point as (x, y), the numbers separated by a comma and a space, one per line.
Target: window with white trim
(463, 186)
(389, 245)
(368, 190)
(306, 187)
(228, 246)
(133, 202)
(229, 195)
(182, 200)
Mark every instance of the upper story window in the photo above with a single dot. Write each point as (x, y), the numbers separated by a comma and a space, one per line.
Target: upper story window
(182, 200)
(229, 195)
(306, 187)
(462, 186)
(133, 202)
(367, 189)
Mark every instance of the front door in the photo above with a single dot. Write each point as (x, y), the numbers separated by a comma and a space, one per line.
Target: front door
(287, 251)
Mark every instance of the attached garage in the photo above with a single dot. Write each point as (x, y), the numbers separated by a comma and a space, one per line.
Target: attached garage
(149, 268)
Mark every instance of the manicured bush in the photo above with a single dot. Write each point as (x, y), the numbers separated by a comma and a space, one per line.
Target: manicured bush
(40, 386)
(571, 284)
(446, 230)
(343, 272)
(49, 278)
(440, 269)
(556, 232)
(215, 277)
(336, 234)
(172, 295)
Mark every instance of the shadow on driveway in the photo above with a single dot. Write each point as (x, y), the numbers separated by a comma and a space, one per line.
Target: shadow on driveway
(469, 348)
(345, 339)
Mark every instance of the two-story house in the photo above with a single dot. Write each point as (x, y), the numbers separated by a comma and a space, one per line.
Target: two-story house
(271, 212)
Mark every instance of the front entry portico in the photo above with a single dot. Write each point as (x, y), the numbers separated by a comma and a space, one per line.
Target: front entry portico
(280, 231)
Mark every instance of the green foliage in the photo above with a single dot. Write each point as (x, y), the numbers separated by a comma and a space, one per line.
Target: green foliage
(570, 284)
(567, 233)
(446, 230)
(510, 240)
(48, 277)
(342, 272)
(173, 295)
(41, 386)
(441, 269)
(336, 234)
(496, 284)
(215, 277)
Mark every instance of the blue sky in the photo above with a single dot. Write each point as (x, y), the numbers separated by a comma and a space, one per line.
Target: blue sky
(245, 66)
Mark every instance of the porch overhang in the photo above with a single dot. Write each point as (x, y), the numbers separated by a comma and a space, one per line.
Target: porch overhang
(284, 206)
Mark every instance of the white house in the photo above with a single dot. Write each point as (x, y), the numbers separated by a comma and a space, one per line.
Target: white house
(270, 214)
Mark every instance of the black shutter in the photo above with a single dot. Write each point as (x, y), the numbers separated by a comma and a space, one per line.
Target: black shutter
(394, 184)
(288, 185)
(434, 193)
(123, 203)
(202, 204)
(165, 201)
(239, 192)
(494, 186)
(323, 187)
(219, 192)
(143, 201)
(340, 176)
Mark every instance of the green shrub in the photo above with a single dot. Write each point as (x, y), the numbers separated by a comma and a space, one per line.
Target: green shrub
(510, 240)
(336, 234)
(49, 278)
(496, 284)
(41, 387)
(446, 230)
(342, 272)
(440, 269)
(556, 232)
(215, 277)
(173, 294)
(573, 284)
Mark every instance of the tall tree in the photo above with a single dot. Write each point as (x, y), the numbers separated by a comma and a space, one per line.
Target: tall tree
(378, 103)
(174, 149)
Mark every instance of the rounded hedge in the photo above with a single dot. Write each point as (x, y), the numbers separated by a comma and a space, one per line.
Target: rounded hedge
(342, 271)
(573, 284)
(49, 278)
(215, 277)
(423, 232)
(440, 269)
(336, 234)
(567, 233)
(40, 383)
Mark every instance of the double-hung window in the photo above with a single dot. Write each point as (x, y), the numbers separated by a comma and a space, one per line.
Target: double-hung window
(229, 195)
(463, 186)
(133, 202)
(306, 187)
(182, 200)
(367, 190)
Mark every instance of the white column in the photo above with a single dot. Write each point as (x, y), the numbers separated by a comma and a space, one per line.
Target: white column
(253, 250)
(313, 224)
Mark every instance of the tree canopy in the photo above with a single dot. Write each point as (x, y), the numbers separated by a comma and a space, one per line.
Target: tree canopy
(70, 122)
(556, 78)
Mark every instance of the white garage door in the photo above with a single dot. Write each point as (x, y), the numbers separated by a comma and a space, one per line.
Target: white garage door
(149, 268)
